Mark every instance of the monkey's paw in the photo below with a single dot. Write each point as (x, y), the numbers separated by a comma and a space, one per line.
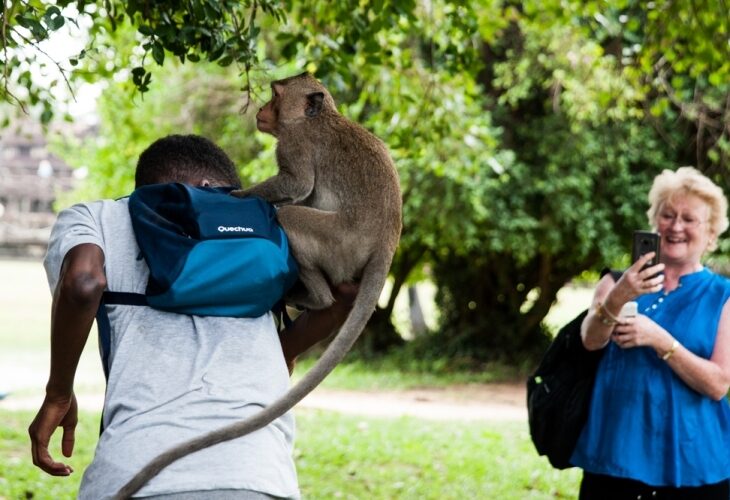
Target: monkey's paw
(305, 300)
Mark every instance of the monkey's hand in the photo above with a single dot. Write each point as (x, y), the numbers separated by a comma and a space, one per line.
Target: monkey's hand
(54, 413)
(288, 186)
(243, 193)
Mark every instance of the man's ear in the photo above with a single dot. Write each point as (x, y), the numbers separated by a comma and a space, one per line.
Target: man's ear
(314, 104)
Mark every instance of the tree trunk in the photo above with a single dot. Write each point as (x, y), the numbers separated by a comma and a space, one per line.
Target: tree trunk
(380, 334)
(485, 311)
(418, 323)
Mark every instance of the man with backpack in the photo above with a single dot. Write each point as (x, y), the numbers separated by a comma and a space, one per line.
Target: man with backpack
(170, 376)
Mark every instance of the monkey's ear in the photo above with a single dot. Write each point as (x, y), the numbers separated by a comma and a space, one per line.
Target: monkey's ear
(314, 104)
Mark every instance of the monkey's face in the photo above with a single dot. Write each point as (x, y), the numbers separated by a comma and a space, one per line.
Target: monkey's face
(268, 116)
(294, 102)
(266, 119)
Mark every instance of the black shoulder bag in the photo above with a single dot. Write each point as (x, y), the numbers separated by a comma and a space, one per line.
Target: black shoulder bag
(559, 393)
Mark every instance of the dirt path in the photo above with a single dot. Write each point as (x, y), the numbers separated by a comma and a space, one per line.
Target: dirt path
(502, 402)
(472, 402)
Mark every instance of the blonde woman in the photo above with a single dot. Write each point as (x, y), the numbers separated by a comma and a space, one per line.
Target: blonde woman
(659, 422)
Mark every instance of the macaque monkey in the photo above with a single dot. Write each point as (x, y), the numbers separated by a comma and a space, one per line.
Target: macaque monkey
(340, 206)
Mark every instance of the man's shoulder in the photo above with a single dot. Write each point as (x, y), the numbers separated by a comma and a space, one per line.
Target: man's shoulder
(97, 204)
(88, 222)
(95, 209)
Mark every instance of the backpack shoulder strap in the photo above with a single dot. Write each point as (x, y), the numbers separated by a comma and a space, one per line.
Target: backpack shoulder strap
(124, 298)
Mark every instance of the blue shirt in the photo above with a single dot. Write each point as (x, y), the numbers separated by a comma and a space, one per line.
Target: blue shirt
(644, 422)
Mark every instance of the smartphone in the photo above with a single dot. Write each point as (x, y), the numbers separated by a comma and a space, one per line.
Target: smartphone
(645, 242)
(629, 310)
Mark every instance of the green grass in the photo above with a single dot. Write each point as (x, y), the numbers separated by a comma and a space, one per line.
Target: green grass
(407, 458)
(345, 457)
(25, 312)
(20, 479)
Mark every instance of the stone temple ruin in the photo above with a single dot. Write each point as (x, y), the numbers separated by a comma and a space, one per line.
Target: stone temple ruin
(30, 180)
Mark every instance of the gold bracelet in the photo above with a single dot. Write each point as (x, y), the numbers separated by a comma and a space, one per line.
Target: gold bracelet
(671, 350)
(606, 317)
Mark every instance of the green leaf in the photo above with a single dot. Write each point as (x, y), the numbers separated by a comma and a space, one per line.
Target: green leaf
(225, 60)
(35, 27)
(46, 116)
(716, 79)
(158, 53)
(53, 18)
(289, 50)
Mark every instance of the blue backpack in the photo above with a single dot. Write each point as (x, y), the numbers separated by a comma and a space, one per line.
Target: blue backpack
(209, 254)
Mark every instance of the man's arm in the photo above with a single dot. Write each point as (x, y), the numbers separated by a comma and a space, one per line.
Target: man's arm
(311, 327)
(75, 301)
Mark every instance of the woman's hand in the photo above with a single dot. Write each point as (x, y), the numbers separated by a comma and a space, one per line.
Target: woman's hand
(635, 281)
(641, 331)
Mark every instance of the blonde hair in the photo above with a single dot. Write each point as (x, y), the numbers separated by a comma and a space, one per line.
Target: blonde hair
(690, 181)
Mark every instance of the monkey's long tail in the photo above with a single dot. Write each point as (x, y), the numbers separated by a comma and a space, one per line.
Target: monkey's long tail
(372, 282)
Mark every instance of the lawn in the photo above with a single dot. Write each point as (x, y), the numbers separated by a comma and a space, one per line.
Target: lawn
(25, 305)
(346, 457)
(350, 457)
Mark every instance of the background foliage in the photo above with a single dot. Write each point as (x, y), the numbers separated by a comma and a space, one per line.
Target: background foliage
(526, 133)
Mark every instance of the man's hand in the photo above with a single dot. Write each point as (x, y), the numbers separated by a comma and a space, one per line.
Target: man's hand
(54, 413)
(345, 294)
(311, 327)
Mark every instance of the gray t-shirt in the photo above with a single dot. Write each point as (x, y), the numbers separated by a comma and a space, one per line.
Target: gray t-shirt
(174, 377)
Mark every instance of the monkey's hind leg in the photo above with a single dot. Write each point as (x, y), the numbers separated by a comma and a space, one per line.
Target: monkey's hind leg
(315, 294)
(313, 236)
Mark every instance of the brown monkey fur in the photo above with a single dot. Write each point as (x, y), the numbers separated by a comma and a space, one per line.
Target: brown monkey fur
(341, 210)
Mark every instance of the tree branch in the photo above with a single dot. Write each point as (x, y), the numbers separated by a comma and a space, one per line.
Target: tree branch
(692, 111)
(5, 45)
(6, 65)
(37, 47)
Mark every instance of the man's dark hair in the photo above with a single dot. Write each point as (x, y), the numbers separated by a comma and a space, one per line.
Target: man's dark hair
(185, 158)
